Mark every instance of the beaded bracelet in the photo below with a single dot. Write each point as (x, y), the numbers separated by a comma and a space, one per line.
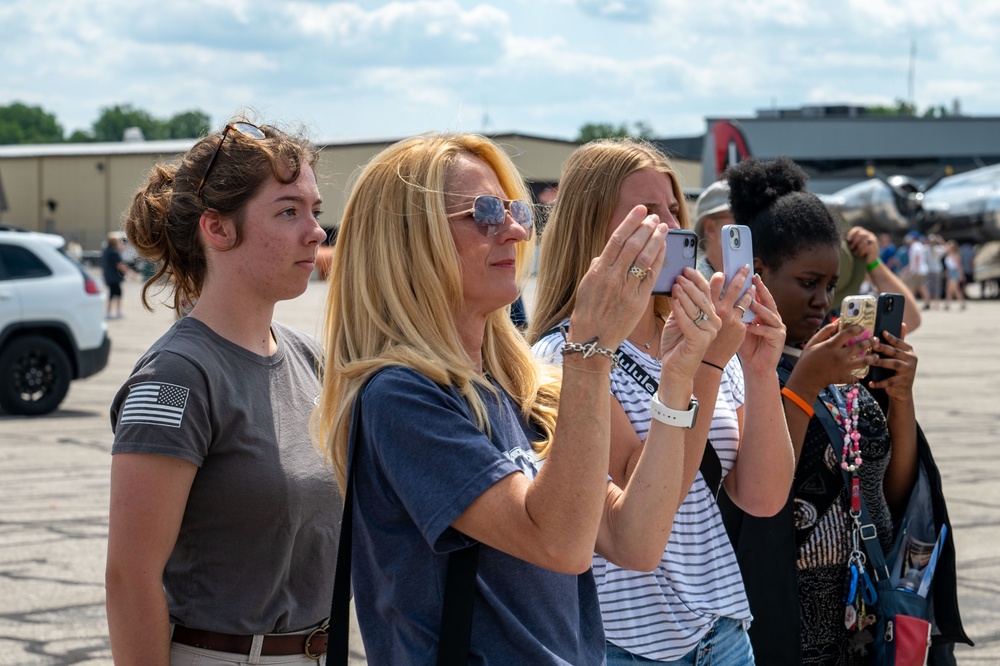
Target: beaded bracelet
(589, 348)
(872, 266)
(799, 402)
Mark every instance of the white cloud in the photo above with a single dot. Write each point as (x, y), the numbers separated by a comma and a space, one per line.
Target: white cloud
(540, 66)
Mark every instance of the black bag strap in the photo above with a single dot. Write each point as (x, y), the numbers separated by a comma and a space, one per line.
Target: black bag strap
(455, 633)
(456, 612)
(711, 466)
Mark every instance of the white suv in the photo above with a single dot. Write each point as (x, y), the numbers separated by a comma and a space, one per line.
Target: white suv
(52, 327)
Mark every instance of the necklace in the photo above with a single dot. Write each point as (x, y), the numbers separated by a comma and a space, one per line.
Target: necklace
(850, 457)
(656, 331)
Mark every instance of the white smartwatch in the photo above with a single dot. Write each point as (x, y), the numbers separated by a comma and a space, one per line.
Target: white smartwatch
(674, 417)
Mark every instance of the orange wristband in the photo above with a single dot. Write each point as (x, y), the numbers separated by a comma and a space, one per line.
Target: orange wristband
(799, 402)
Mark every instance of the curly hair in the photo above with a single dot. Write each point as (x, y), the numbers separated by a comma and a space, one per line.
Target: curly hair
(784, 219)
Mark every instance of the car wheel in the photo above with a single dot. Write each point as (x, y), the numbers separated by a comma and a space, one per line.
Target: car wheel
(34, 376)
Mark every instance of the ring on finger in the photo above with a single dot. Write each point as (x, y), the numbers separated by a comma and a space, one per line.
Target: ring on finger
(702, 317)
(742, 309)
(637, 272)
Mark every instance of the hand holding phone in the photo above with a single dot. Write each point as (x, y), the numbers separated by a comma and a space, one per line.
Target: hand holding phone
(888, 317)
(858, 310)
(682, 245)
(737, 252)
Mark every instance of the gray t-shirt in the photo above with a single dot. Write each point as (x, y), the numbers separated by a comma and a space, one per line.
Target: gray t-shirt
(258, 540)
(421, 461)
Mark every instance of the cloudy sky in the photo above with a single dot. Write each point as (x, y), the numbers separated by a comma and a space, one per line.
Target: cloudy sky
(546, 67)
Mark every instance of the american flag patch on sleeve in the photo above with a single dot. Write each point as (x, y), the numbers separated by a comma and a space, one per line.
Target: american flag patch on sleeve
(155, 403)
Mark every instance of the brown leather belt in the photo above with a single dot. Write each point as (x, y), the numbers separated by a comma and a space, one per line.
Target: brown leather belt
(312, 645)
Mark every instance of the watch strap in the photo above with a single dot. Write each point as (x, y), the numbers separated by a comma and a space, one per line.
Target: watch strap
(674, 417)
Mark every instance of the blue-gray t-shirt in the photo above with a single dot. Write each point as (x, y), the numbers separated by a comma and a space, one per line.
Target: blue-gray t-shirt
(421, 461)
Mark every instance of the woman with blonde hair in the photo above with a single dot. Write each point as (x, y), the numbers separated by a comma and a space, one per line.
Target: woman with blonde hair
(458, 441)
(692, 603)
(222, 511)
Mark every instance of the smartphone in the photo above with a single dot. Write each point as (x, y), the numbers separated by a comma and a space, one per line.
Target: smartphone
(682, 246)
(737, 252)
(858, 310)
(888, 317)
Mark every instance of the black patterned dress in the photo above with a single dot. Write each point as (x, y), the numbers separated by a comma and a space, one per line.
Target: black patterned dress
(823, 530)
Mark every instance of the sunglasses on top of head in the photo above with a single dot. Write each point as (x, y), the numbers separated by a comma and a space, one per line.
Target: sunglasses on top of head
(489, 213)
(246, 129)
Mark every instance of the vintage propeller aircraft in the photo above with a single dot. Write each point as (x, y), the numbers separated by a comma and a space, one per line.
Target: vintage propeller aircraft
(964, 207)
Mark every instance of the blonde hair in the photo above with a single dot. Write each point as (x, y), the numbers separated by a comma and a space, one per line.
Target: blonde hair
(396, 285)
(576, 231)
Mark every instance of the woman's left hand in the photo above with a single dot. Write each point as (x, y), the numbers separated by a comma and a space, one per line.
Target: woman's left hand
(895, 354)
(690, 328)
(765, 339)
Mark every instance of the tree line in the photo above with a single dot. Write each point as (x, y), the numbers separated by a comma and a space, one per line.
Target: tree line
(21, 123)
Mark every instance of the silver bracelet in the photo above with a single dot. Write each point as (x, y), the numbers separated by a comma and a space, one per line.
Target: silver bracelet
(589, 348)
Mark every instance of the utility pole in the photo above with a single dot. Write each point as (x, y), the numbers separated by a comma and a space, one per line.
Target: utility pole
(913, 67)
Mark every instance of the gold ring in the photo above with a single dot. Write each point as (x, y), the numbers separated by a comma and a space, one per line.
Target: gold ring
(637, 272)
(742, 309)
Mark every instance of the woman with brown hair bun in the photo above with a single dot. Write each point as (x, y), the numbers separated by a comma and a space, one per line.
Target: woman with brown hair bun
(223, 514)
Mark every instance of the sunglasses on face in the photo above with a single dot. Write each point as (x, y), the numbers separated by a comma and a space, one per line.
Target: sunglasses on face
(246, 129)
(489, 213)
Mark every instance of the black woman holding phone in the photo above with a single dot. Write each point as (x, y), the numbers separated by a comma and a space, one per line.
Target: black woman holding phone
(804, 619)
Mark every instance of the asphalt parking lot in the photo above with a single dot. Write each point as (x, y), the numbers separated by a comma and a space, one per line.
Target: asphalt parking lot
(54, 484)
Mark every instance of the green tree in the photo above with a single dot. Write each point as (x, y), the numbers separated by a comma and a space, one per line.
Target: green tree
(80, 136)
(901, 108)
(593, 131)
(188, 125)
(114, 120)
(20, 123)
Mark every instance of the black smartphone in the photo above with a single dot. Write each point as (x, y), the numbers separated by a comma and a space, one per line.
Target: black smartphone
(888, 317)
(682, 246)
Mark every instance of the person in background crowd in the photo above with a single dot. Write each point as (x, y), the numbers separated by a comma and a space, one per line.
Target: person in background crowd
(711, 213)
(692, 606)
(917, 269)
(223, 514)
(887, 252)
(458, 441)
(954, 291)
(114, 269)
(74, 250)
(936, 252)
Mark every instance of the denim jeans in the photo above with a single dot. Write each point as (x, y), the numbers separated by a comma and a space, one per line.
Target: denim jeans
(725, 644)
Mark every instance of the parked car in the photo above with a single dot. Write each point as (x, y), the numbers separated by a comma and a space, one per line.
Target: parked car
(52, 327)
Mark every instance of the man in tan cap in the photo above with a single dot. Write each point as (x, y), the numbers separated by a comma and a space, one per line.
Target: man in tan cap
(711, 212)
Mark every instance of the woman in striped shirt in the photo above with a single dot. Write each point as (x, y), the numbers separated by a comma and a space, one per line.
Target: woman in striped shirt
(693, 603)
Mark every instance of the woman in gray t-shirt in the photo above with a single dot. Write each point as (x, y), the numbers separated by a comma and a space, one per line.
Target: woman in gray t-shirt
(223, 514)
